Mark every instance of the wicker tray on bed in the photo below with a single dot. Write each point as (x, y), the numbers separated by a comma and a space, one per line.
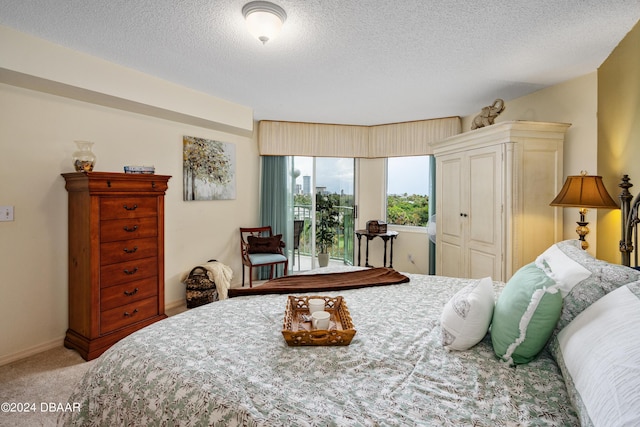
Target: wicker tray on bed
(297, 330)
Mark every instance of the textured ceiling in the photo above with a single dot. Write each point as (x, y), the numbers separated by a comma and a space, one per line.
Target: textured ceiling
(339, 61)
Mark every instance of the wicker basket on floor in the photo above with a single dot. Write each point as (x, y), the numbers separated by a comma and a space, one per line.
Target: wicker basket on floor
(200, 289)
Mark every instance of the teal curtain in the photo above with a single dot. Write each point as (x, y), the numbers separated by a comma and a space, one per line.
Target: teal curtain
(276, 200)
(432, 212)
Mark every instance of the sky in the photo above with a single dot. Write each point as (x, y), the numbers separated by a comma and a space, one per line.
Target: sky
(409, 174)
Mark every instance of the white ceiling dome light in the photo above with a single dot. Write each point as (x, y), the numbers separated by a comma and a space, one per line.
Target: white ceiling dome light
(264, 19)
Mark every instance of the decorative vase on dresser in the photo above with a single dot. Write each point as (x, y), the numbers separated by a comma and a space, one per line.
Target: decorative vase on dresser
(493, 189)
(116, 257)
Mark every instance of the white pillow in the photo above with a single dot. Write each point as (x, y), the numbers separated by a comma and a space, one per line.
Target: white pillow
(466, 317)
(600, 359)
(562, 269)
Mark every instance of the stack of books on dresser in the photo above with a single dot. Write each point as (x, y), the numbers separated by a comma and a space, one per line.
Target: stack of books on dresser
(140, 169)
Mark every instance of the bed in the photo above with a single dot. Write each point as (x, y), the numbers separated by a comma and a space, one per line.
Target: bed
(630, 208)
(411, 362)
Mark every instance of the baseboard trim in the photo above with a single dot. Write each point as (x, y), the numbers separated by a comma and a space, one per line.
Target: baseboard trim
(175, 304)
(9, 358)
(59, 342)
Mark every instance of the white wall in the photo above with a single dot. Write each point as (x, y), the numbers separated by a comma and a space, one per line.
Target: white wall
(51, 96)
(35, 63)
(411, 241)
(37, 131)
(575, 102)
(618, 134)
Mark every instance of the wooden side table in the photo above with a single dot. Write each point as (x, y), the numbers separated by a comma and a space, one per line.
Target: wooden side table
(389, 235)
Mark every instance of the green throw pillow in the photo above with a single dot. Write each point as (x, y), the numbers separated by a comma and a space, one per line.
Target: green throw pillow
(525, 315)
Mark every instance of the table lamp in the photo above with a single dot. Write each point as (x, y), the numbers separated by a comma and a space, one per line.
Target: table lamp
(585, 192)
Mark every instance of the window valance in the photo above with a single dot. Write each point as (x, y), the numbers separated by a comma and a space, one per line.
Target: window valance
(328, 140)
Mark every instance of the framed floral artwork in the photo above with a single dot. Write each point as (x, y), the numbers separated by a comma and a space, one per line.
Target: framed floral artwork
(209, 169)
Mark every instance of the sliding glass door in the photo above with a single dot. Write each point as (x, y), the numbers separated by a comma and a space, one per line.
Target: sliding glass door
(320, 183)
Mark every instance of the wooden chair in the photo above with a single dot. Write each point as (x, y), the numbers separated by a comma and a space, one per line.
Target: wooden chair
(260, 248)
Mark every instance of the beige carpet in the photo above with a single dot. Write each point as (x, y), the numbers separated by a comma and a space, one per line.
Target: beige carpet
(37, 382)
(42, 383)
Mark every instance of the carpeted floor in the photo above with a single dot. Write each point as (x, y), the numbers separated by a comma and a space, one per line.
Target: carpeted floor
(41, 384)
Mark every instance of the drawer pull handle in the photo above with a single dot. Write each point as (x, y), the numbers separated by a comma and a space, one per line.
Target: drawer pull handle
(130, 272)
(132, 293)
(127, 314)
(132, 208)
(130, 230)
(130, 251)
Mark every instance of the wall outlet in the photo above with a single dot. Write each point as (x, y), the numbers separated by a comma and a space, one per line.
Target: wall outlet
(6, 213)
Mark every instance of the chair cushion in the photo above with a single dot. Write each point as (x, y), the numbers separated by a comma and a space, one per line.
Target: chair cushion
(261, 259)
(264, 245)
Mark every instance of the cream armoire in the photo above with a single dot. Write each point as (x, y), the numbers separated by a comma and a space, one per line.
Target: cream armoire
(493, 189)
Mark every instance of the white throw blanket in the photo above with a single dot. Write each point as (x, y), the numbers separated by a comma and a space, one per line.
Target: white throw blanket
(219, 273)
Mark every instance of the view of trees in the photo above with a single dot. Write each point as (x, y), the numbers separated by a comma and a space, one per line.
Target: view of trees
(327, 220)
(408, 209)
(302, 200)
(340, 218)
(405, 209)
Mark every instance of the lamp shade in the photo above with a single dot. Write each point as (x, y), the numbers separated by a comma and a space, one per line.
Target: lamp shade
(584, 191)
(264, 19)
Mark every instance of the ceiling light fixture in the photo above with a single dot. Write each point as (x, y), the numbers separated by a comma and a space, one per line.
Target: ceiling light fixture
(264, 19)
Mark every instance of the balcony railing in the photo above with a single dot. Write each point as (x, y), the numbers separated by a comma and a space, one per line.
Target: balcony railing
(342, 247)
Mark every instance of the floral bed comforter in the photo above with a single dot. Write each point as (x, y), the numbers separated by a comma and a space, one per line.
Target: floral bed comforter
(227, 364)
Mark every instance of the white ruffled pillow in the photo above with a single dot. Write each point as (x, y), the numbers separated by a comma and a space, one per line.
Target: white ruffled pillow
(562, 269)
(466, 317)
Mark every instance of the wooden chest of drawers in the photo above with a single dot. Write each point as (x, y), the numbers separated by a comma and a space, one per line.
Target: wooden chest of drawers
(116, 257)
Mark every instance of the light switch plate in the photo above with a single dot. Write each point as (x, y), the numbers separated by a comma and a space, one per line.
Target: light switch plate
(6, 213)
